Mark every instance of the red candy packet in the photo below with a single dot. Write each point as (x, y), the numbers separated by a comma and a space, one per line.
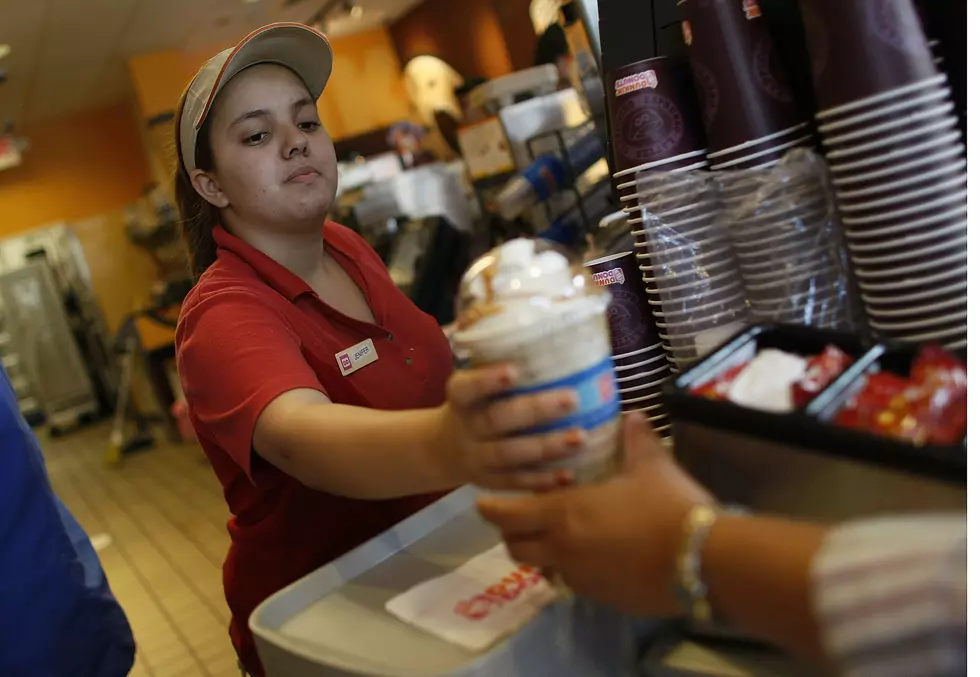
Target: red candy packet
(928, 407)
(820, 372)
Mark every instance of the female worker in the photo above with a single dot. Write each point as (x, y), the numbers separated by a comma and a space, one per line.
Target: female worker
(321, 395)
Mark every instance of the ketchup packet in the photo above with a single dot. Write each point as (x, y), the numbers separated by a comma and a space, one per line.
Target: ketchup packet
(928, 407)
(820, 372)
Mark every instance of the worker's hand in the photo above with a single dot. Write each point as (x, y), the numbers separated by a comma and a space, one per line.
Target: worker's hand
(615, 542)
(480, 434)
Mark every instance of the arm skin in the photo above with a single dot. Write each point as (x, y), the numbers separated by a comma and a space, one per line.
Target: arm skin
(354, 451)
(757, 571)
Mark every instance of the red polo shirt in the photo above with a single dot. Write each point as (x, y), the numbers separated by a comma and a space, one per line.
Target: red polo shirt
(250, 331)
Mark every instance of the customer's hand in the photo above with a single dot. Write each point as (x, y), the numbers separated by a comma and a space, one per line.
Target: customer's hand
(479, 433)
(615, 542)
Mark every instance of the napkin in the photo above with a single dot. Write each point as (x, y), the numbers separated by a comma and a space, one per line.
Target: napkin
(477, 604)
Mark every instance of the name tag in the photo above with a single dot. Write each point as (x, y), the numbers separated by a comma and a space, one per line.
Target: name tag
(356, 357)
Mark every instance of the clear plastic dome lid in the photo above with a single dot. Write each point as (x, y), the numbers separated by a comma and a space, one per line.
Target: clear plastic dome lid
(524, 283)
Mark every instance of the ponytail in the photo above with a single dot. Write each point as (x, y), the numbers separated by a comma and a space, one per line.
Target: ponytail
(198, 217)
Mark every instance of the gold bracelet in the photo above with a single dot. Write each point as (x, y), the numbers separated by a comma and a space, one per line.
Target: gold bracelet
(689, 586)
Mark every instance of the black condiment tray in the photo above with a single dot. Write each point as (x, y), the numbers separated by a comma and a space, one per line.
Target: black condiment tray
(811, 429)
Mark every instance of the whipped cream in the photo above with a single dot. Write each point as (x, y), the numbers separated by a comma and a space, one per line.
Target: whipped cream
(522, 273)
(767, 382)
(527, 287)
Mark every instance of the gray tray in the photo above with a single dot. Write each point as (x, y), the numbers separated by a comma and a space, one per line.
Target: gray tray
(334, 623)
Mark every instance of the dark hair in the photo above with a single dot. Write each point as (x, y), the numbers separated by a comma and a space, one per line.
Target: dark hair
(198, 217)
(552, 45)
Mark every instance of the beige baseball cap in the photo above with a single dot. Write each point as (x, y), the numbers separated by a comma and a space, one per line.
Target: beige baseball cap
(296, 46)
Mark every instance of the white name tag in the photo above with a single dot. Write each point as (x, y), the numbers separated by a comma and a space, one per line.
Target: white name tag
(356, 357)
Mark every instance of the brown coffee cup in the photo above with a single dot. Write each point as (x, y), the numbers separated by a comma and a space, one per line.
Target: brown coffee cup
(630, 323)
(741, 83)
(862, 48)
(653, 112)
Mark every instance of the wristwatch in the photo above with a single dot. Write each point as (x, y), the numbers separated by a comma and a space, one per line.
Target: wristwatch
(689, 586)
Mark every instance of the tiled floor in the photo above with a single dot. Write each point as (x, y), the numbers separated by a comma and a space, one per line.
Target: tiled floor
(166, 517)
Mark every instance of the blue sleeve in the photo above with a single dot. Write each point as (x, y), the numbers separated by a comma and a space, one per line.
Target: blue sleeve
(58, 617)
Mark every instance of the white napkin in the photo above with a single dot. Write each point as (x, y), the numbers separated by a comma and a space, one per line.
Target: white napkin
(474, 606)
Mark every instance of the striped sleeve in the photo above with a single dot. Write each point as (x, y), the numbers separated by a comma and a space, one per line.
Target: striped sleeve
(890, 596)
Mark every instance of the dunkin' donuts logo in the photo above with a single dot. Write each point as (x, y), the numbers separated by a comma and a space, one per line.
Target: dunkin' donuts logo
(751, 9)
(608, 277)
(634, 83)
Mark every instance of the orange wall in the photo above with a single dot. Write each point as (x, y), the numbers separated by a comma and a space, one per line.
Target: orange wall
(159, 78)
(365, 90)
(466, 35)
(76, 167)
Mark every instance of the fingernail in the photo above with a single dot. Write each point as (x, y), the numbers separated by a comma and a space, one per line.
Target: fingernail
(573, 438)
(508, 376)
(570, 403)
(565, 477)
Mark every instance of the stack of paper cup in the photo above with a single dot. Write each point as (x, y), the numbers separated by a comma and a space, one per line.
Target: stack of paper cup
(898, 165)
(654, 122)
(655, 126)
(750, 113)
(692, 263)
(527, 304)
(638, 352)
(789, 245)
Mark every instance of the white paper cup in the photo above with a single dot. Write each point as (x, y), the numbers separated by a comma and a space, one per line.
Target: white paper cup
(856, 106)
(926, 162)
(850, 196)
(705, 247)
(888, 158)
(959, 197)
(950, 333)
(929, 307)
(636, 379)
(660, 163)
(926, 117)
(911, 284)
(920, 99)
(843, 154)
(915, 269)
(877, 302)
(635, 353)
(904, 227)
(850, 208)
(649, 362)
(703, 164)
(760, 257)
(756, 142)
(941, 246)
(940, 320)
(795, 143)
(813, 215)
(645, 401)
(732, 294)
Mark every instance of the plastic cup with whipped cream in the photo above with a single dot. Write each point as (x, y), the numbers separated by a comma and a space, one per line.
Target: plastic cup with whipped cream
(527, 304)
